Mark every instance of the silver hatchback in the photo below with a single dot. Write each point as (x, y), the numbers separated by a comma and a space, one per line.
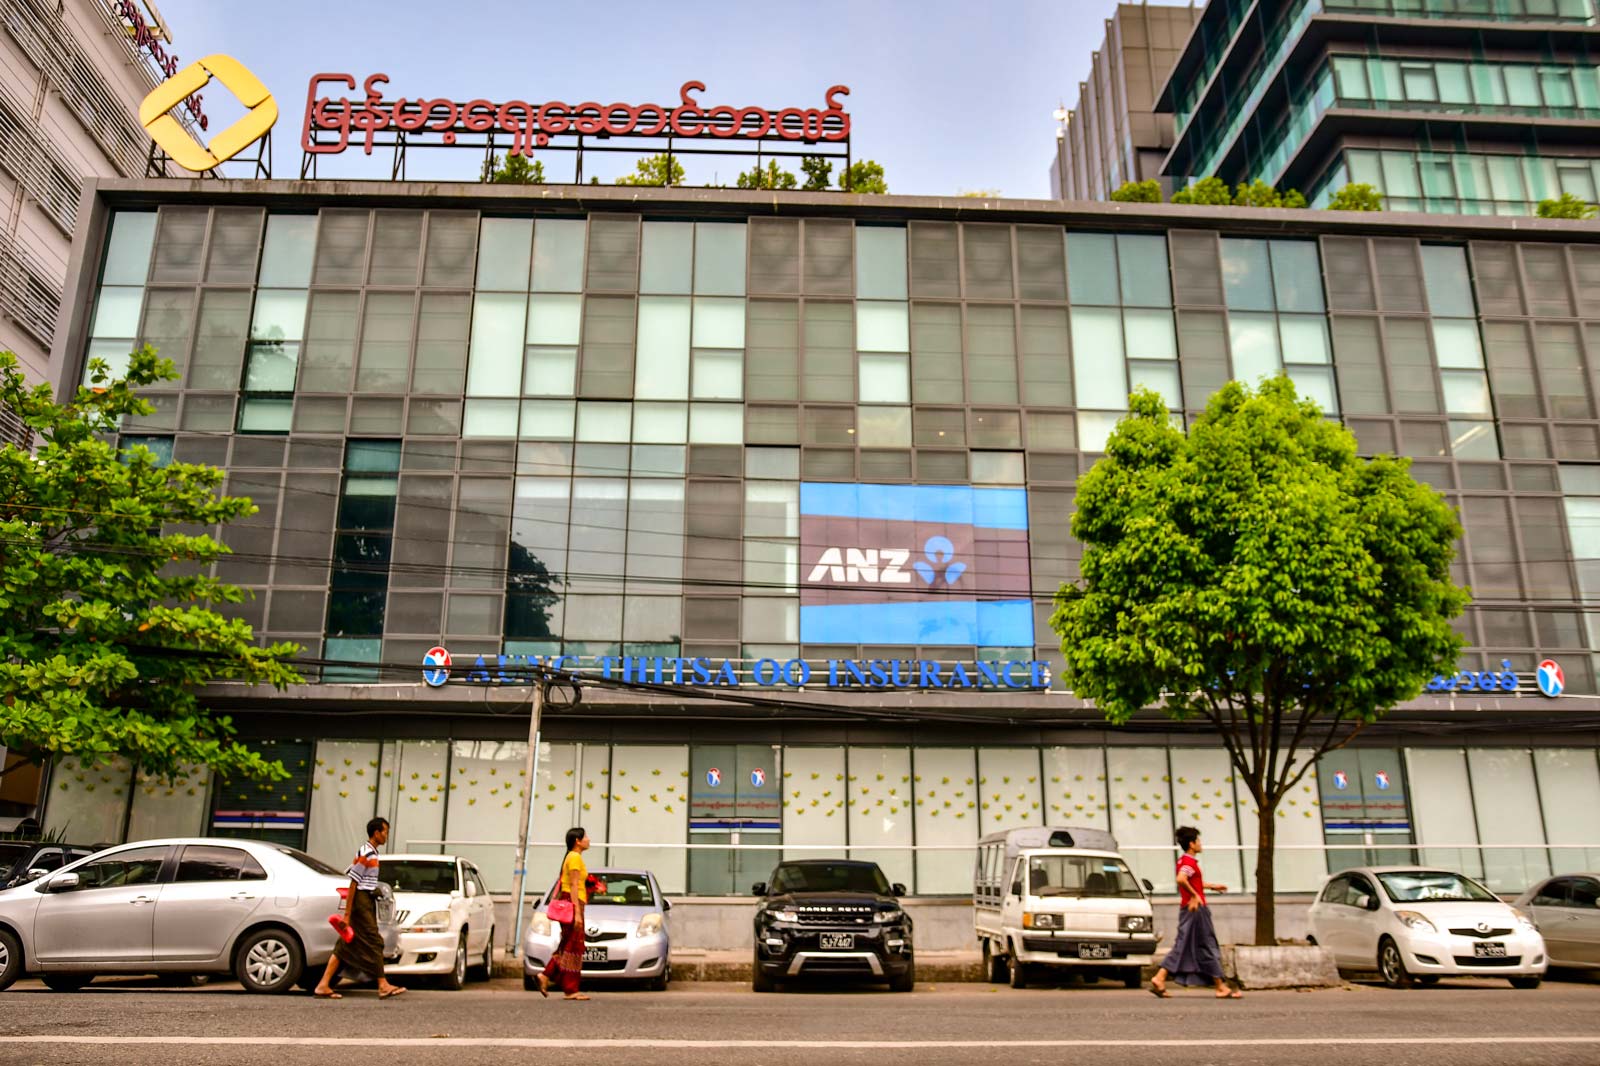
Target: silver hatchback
(625, 934)
(188, 906)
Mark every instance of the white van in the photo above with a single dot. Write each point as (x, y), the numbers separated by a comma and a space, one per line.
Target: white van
(1060, 896)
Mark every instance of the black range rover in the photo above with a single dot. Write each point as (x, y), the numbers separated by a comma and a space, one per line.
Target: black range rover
(832, 917)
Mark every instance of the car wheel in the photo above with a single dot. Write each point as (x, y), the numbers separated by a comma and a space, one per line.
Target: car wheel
(268, 960)
(760, 981)
(994, 966)
(1133, 977)
(67, 982)
(485, 968)
(660, 981)
(457, 977)
(906, 982)
(1018, 972)
(10, 959)
(1525, 982)
(1391, 966)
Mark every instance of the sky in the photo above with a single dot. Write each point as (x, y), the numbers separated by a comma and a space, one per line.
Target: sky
(948, 96)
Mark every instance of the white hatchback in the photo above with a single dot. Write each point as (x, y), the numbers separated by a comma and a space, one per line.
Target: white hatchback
(1417, 924)
(445, 915)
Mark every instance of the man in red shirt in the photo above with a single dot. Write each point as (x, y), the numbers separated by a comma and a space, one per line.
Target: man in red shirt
(1195, 958)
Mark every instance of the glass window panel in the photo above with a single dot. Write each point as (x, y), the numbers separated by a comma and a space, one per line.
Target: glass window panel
(1315, 383)
(719, 256)
(280, 314)
(554, 319)
(558, 248)
(604, 423)
(1399, 174)
(1508, 813)
(288, 250)
(1150, 335)
(991, 354)
(880, 263)
(1305, 338)
(263, 415)
(1454, 84)
(490, 418)
(1456, 342)
(771, 463)
(1350, 76)
(451, 257)
(1142, 264)
(180, 237)
(271, 367)
(775, 256)
(829, 372)
(1092, 268)
(1410, 366)
(116, 312)
(386, 342)
(550, 371)
(938, 375)
(987, 254)
(1097, 357)
(666, 258)
(771, 509)
(883, 427)
(772, 342)
(1448, 282)
(128, 250)
(883, 327)
(997, 468)
(494, 360)
(1137, 787)
(885, 379)
(1095, 428)
(1247, 274)
(1162, 377)
(396, 248)
(661, 371)
(661, 423)
(935, 271)
(1041, 266)
(1466, 392)
(1051, 432)
(443, 328)
(716, 423)
(1522, 86)
(718, 375)
(1255, 346)
(1046, 370)
(505, 247)
(1297, 276)
(656, 460)
(1569, 780)
(545, 419)
(1474, 440)
(718, 323)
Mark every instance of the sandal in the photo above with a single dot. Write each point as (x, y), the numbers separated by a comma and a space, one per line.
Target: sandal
(326, 995)
(397, 990)
(576, 997)
(1159, 991)
(1232, 993)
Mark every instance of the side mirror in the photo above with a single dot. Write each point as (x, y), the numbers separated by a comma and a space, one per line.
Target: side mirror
(1364, 902)
(65, 883)
(1016, 888)
(897, 889)
(666, 905)
(33, 875)
(758, 889)
(1149, 889)
(472, 890)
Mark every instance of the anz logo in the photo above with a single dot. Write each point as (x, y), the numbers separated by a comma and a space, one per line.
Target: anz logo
(887, 566)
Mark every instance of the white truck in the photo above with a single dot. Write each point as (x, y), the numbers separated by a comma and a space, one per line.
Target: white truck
(1060, 896)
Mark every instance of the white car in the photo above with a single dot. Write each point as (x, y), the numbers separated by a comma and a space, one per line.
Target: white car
(1416, 924)
(445, 915)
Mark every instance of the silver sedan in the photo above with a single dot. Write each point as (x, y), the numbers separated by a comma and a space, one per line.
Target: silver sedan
(625, 933)
(188, 906)
(1567, 911)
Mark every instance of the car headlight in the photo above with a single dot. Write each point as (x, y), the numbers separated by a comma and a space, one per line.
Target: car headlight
(540, 926)
(1041, 921)
(650, 925)
(1413, 920)
(1523, 919)
(885, 917)
(784, 916)
(432, 922)
(1134, 923)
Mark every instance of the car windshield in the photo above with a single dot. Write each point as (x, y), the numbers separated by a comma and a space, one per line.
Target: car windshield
(315, 863)
(418, 875)
(9, 853)
(624, 890)
(1434, 886)
(1081, 875)
(830, 877)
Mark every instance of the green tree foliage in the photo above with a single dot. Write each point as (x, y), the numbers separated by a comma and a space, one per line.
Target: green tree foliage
(1138, 192)
(654, 170)
(515, 170)
(107, 626)
(818, 172)
(1259, 194)
(768, 177)
(979, 194)
(1212, 191)
(1356, 196)
(865, 176)
(1567, 206)
(1254, 573)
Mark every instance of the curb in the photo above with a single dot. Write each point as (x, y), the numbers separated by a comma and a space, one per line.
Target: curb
(689, 968)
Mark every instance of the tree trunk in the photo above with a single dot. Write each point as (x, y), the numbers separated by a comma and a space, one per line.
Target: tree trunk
(1266, 910)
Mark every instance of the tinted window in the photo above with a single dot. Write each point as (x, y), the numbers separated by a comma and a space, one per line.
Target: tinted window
(1359, 886)
(1585, 893)
(136, 866)
(830, 877)
(477, 879)
(204, 862)
(412, 875)
(8, 856)
(626, 890)
(1553, 894)
(315, 864)
(1336, 891)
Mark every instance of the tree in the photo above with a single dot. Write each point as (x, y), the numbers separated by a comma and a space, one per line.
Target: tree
(1567, 206)
(654, 170)
(1259, 194)
(1254, 573)
(1211, 191)
(1356, 196)
(865, 177)
(818, 172)
(516, 170)
(104, 643)
(1138, 192)
(769, 177)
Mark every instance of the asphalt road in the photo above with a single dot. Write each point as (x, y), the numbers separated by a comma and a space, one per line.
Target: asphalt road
(133, 1023)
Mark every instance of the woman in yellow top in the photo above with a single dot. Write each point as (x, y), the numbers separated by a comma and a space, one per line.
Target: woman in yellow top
(566, 965)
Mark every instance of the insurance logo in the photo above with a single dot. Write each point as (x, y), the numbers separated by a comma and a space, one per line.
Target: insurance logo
(261, 112)
(1552, 680)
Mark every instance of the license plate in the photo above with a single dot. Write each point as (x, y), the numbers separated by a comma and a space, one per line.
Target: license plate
(1094, 951)
(596, 954)
(1489, 951)
(837, 941)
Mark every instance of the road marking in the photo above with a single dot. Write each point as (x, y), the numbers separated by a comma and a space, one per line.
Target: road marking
(890, 1045)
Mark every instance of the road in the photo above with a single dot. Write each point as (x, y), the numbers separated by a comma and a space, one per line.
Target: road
(133, 1023)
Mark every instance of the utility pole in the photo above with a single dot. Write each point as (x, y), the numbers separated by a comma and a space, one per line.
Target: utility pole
(530, 780)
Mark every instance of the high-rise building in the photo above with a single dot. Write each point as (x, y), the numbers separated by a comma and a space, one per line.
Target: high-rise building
(1480, 107)
(1114, 134)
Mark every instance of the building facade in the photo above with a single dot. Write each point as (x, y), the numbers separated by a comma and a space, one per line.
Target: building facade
(1480, 107)
(1113, 134)
(794, 475)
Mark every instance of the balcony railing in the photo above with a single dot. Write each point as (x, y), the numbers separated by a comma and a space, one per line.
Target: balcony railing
(49, 179)
(27, 295)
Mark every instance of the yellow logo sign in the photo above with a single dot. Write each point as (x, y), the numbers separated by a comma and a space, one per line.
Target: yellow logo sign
(176, 142)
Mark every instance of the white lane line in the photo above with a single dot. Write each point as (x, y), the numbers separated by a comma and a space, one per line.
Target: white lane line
(889, 1045)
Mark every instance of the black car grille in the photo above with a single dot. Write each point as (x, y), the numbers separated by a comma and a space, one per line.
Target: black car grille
(601, 938)
(835, 916)
(1482, 934)
(1473, 960)
(837, 964)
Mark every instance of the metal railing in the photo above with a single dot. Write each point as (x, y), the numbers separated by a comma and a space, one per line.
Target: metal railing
(38, 168)
(27, 296)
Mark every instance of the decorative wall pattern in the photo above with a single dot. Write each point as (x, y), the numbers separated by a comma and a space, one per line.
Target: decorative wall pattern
(815, 808)
(649, 801)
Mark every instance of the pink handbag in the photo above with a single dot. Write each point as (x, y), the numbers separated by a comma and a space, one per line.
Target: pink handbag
(561, 910)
